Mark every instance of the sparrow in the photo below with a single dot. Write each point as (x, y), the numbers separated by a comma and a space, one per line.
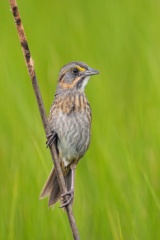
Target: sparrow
(70, 124)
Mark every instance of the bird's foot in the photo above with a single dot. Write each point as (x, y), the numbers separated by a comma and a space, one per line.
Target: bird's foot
(70, 199)
(50, 138)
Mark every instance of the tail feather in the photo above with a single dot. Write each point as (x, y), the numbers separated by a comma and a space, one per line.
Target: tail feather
(54, 194)
(48, 185)
(52, 189)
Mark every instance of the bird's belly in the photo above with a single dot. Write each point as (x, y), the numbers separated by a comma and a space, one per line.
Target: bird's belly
(74, 137)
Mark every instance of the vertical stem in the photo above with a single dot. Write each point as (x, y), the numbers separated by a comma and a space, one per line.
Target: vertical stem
(31, 71)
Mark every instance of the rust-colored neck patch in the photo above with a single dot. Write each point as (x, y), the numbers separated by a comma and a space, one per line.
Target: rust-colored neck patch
(71, 85)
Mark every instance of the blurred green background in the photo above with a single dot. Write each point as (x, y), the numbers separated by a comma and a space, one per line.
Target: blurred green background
(118, 181)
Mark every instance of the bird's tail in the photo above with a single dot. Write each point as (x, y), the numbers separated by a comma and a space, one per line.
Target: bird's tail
(52, 189)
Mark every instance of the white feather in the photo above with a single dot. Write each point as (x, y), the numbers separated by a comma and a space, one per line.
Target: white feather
(85, 81)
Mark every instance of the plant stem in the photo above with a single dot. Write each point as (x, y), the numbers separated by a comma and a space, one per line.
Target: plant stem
(31, 71)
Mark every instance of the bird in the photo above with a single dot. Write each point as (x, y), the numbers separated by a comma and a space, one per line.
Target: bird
(70, 124)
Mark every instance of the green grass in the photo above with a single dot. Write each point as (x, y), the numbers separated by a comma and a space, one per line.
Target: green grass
(118, 181)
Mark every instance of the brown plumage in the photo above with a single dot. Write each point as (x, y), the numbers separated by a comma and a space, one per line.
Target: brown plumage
(70, 123)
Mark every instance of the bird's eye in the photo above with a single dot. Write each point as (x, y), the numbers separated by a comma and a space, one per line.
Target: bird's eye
(75, 70)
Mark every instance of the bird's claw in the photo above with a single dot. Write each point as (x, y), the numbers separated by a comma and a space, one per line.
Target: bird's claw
(71, 194)
(50, 139)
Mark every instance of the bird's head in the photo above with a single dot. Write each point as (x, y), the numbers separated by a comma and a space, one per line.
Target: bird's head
(74, 76)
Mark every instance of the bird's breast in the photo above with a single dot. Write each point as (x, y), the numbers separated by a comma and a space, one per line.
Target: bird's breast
(72, 123)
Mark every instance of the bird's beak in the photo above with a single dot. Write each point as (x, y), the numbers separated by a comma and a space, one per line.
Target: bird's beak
(91, 72)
